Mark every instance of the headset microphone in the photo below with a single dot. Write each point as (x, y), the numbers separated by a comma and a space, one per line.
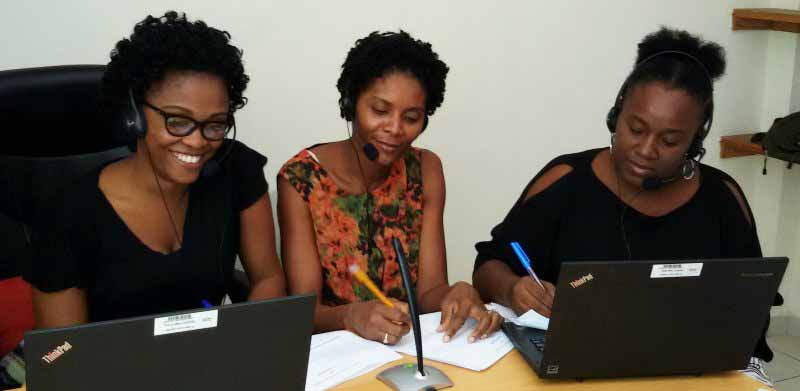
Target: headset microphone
(214, 165)
(370, 151)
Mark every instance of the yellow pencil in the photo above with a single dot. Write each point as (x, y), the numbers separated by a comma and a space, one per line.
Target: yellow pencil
(362, 277)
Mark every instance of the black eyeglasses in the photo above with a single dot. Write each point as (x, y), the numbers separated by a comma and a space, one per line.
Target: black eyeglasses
(182, 126)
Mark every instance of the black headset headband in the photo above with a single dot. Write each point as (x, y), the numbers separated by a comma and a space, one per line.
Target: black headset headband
(696, 148)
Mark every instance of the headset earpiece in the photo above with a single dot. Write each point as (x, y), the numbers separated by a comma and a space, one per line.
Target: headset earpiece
(696, 148)
(346, 108)
(611, 118)
(132, 119)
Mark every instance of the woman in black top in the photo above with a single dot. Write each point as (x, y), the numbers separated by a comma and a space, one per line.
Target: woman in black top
(645, 197)
(159, 230)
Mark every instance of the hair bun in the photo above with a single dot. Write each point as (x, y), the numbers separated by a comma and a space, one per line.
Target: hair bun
(711, 55)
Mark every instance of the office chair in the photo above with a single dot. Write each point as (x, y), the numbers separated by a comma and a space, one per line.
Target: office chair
(53, 133)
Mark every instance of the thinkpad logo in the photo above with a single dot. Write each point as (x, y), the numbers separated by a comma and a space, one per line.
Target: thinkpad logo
(582, 280)
(56, 353)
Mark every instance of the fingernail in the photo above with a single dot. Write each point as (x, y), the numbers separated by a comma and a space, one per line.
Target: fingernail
(446, 338)
(484, 336)
(471, 339)
(439, 329)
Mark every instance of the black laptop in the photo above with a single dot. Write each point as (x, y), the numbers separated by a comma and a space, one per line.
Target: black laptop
(249, 346)
(645, 318)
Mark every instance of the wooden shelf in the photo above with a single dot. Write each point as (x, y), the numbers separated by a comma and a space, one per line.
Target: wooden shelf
(766, 19)
(738, 145)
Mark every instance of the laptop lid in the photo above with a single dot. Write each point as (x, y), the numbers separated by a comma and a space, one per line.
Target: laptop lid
(246, 346)
(640, 318)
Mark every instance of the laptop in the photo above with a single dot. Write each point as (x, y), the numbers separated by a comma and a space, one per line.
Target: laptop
(246, 346)
(646, 318)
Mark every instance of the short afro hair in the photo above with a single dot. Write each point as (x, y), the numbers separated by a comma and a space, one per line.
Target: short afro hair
(382, 53)
(166, 44)
(695, 74)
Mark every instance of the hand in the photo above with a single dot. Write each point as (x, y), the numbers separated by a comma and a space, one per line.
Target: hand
(462, 301)
(526, 295)
(378, 322)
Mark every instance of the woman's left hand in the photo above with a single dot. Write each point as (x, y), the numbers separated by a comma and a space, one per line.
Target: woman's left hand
(461, 302)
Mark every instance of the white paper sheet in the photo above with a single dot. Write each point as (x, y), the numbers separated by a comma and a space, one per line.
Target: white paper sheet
(476, 356)
(528, 319)
(339, 356)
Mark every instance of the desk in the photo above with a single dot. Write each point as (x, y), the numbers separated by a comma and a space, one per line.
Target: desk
(513, 373)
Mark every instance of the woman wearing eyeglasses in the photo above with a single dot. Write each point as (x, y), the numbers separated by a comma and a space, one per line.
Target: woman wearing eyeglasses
(159, 230)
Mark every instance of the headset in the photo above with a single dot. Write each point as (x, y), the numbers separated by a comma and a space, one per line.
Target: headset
(135, 126)
(347, 109)
(696, 150)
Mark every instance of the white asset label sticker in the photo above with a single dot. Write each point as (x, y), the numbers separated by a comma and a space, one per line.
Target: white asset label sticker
(185, 322)
(676, 270)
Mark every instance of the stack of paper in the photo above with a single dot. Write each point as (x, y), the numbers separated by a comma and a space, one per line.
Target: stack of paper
(339, 356)
(476, 356)
(528, 319)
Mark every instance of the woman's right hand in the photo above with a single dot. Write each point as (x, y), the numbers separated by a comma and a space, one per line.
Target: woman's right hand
(526, 295)
(378, 322)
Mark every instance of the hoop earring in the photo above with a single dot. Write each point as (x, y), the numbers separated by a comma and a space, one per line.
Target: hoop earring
(611, 148)
(688, 169)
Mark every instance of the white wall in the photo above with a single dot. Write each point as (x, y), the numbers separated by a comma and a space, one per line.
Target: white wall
(776, 196)
(529, 80)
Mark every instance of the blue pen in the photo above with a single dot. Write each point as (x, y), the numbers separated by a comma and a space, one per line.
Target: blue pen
(526, 262)
(206, 304)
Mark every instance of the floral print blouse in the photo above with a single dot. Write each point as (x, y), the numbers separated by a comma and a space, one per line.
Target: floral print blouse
(358, 228)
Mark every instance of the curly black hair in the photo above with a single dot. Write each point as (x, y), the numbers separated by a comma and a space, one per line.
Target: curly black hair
(160, 45)
(381, 53)
(694, 73)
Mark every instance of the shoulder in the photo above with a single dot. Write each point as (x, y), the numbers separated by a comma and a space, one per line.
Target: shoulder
(426, 165)
(301, 172)
(724, 187)
(300, 165)
(429, 161)
(242, 156)
(429, 166)
(75, 204)
(558, 168)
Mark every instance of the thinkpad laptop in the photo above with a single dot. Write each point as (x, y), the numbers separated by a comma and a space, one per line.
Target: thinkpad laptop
(644, 318)
(248, 346)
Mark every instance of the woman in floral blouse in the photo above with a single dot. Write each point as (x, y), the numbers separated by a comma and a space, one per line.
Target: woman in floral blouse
(341, 203)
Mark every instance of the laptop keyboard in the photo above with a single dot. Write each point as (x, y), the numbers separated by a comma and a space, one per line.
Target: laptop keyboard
(538, 342)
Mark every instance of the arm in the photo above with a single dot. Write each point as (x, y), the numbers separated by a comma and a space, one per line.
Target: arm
(370, 319)
(257, 250)
(432, 285)
(460, 301)
(59, 309)
(299, 254)
(498, 276)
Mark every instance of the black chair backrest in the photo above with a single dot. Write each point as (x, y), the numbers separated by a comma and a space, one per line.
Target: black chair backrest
(52, 134)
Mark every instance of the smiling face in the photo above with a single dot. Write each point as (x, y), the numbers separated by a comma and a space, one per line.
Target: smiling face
(389, 114)
(655, 129)
(195, 95)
